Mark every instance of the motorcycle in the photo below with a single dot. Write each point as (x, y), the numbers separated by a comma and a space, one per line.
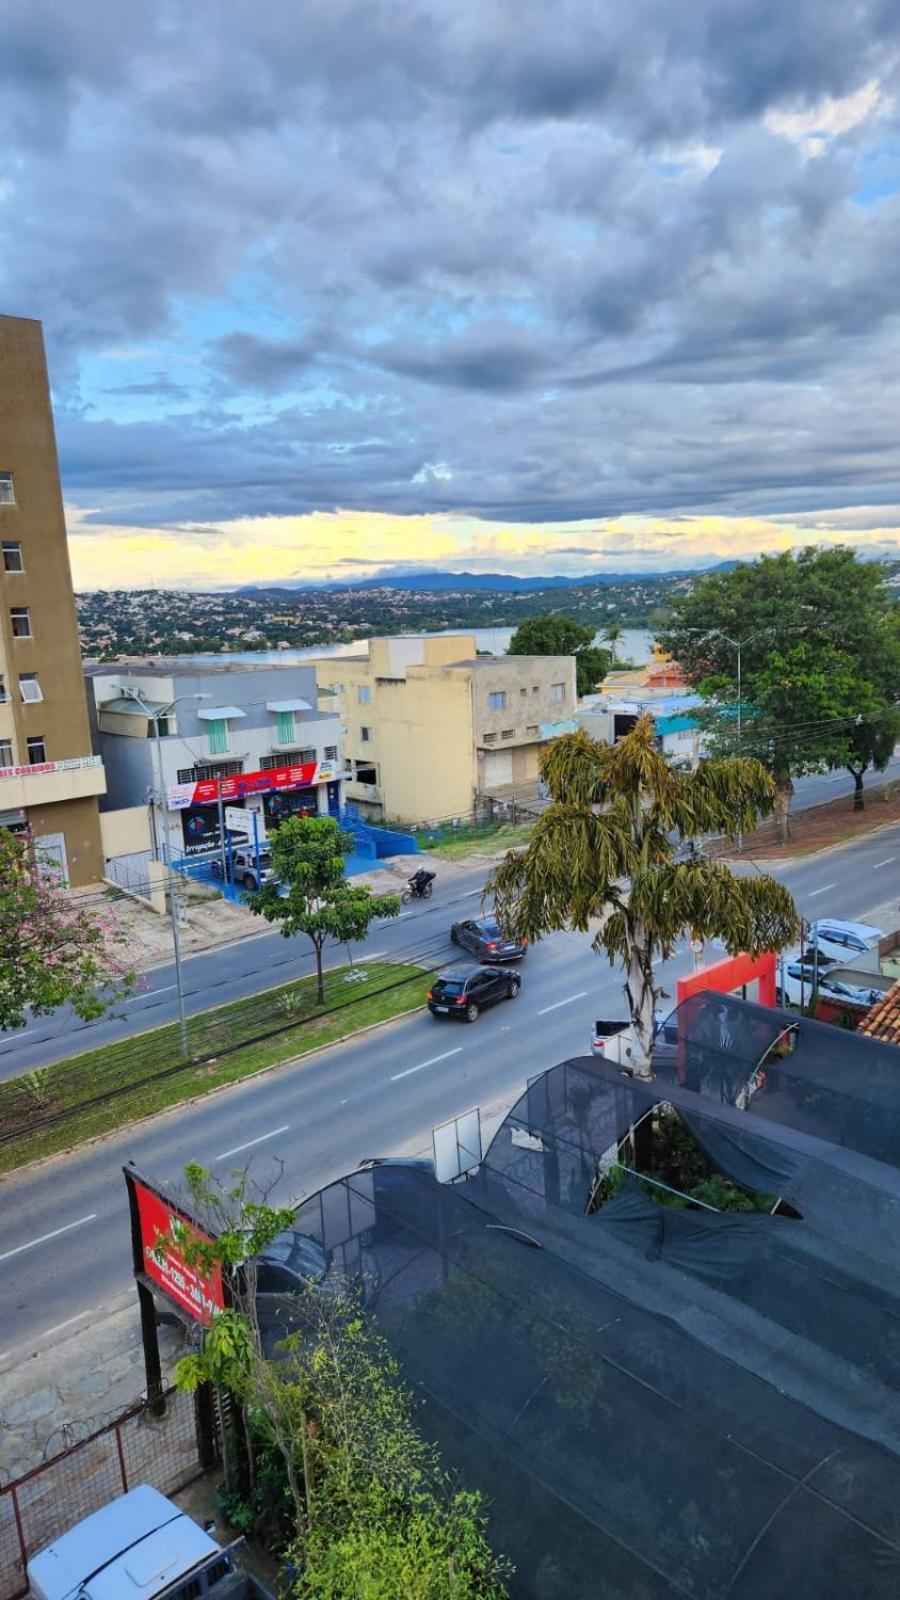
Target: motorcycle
(420, 887)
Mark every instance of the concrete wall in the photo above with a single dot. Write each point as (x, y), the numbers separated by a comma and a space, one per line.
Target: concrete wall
(426, 745)
(78, 822)
(125, 832)
(527, 682)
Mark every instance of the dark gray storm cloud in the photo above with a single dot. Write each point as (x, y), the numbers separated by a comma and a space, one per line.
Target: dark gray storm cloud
(532, 261)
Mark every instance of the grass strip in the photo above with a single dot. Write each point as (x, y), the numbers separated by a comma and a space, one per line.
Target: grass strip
(150, 1077)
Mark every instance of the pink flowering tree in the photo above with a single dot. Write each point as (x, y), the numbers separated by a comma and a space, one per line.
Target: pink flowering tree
(52, 951)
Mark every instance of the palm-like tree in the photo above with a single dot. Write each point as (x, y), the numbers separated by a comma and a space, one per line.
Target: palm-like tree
(606, 849)
(612, 633)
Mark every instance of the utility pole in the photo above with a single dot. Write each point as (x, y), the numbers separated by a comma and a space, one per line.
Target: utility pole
(162, 848)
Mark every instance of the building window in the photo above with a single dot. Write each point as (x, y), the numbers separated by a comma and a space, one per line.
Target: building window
(535, 689)
(21, 622)
(3, 694)
(364, 694)
(330, 752)
(557, 691)
(523, 694)
(160, 727)
(366, 735)
(210, 769)
(217, 729)
(366, 773)
(12, 556)
(490, 738)
(29, 688)
(532, 730)
(284, 727)
(37, 752)
(497, 699)
(508, 733)
(7, 493)
(6, 753)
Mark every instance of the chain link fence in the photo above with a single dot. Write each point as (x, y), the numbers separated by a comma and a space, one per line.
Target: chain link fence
(134, 1447)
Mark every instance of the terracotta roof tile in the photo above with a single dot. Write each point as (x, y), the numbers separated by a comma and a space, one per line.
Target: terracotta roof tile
(883, 1021)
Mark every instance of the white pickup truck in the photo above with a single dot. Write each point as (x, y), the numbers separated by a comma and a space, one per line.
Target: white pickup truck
(140, 1547)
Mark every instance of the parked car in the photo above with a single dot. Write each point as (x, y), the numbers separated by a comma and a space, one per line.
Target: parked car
(140, 1546)
(832, 981)
(243, 868)
(843, 939)
(484, 938)
(797, 978)
(465, 994)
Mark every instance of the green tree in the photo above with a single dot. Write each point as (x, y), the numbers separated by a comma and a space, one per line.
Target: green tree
(308, 857)
(612, 633)
(555, 635)
(52, 952)
(606, 848)
(819, 638)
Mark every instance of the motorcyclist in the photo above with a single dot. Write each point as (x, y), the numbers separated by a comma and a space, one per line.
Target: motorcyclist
(419, 880)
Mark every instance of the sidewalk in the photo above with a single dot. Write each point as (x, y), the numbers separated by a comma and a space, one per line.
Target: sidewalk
(208, 923)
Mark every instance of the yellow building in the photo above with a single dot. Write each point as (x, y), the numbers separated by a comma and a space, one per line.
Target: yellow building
(49, 780)
(431, 730)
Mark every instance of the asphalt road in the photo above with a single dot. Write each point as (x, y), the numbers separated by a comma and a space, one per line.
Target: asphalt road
(256, 963)
(64, 1242)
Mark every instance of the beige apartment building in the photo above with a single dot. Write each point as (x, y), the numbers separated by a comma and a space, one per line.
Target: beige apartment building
(431, 730)
(49, 779)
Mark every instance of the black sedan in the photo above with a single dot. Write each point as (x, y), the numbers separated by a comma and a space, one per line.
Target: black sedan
(464, 994)
(485, 939)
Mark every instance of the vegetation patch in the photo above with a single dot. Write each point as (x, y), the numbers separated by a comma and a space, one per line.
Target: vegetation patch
(55, 1107)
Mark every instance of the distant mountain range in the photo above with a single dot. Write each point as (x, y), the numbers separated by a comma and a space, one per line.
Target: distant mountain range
(425, 582)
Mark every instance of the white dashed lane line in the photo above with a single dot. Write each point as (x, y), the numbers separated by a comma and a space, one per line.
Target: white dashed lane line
(251, 1142)
(7, 1255)
(432, 1061)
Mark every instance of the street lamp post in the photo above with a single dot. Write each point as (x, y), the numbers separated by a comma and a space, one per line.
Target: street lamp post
(738, 645)
(162, 847)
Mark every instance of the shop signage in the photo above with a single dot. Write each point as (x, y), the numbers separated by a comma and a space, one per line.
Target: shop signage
(207, 791)
(193, 1292)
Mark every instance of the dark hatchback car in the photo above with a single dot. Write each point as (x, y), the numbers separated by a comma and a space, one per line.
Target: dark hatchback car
(464, 994)
(485, 939)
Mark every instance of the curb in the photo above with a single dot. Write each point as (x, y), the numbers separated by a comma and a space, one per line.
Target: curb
(222, 1088)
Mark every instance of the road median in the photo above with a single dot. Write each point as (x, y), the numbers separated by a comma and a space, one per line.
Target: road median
(69, 1102)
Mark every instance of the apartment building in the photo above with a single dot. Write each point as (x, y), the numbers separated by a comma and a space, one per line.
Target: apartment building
(432, 730)
(195, 740)
(49, 778)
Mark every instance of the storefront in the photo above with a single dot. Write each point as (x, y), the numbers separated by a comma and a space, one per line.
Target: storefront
(283, 791)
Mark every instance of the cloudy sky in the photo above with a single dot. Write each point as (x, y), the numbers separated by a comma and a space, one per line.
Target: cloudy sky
(532, 284)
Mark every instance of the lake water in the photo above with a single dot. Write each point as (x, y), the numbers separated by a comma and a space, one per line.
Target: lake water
(635, 645)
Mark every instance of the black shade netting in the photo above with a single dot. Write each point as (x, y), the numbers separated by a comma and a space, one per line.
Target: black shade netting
(602, 1395)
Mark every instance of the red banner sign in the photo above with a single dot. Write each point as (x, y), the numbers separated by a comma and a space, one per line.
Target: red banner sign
(190, 1289)
(208, 790)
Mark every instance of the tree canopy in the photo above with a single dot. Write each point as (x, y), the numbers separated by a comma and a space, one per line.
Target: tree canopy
(52, 951)
(555, 635)
(308, 855)
(606, 850)
(819, 638)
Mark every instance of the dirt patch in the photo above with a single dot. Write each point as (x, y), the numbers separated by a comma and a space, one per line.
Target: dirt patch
(143, 937)
(818, 828)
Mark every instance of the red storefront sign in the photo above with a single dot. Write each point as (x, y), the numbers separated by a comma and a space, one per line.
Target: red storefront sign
(208, 790)
(190, 1289)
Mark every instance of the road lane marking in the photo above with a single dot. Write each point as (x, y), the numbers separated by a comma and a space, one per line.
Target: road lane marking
(824, 890)
(377, 955)
(251, 1142)
(885, 863)
(8, 1254)
(432, 1061)
(571, 1000)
